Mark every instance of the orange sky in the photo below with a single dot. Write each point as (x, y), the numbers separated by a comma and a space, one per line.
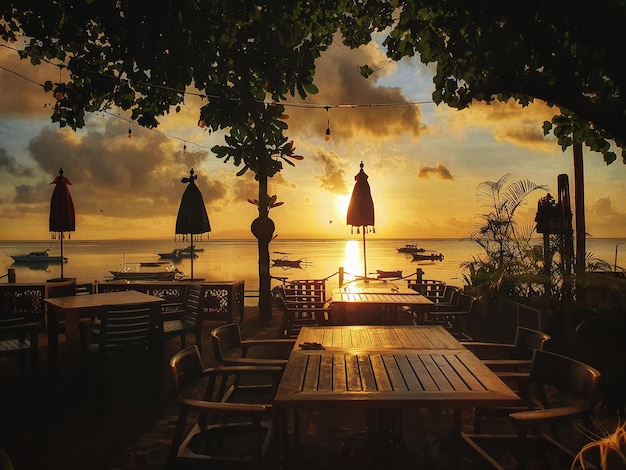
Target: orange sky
(424, 162)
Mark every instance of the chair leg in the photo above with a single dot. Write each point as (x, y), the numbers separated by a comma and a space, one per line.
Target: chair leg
(522, 432)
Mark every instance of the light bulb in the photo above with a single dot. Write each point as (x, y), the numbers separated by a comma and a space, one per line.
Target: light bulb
(327, 135)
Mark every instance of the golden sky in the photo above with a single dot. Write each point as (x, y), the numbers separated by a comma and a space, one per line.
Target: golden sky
(424, 161)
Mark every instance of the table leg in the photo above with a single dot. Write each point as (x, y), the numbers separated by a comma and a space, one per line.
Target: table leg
(72, 340)
(53, 339)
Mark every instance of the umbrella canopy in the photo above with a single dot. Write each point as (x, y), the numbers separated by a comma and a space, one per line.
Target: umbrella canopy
(361, 209)
(192, 216)
(62, 215)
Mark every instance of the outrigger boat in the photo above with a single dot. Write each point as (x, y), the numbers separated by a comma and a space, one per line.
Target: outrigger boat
(178, 254)
(173, 275)
(427, 256)
(389, 274)
(38, 257)
(286, 262)
(410, 248)
(195, 249)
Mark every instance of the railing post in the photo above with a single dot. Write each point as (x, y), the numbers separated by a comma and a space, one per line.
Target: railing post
(11, 275)
(419, 274)
(340, 276)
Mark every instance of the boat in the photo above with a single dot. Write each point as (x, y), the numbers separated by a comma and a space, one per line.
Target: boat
(177, 254)
(38, 257)
(152, 264)
(195, 249)
(427, 256)
(168, 275)
(410, 248)
(285, 261)
(389, 274)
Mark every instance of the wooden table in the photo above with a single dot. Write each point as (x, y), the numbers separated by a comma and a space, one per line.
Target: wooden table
(382, 369)
(73, 307)
(377, 302)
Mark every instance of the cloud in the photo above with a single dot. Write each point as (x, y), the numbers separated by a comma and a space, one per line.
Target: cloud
(333, 177)
(606, 219)
(439, 171)
(9, 165)
(340, 83)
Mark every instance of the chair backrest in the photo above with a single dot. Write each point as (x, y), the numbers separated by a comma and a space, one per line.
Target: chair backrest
(565, 374)
(465, 304)
(60, 288)
(185, 367)
(526, 341)
(448, 292)
(226, 340)
(193, 303)
(126, 327)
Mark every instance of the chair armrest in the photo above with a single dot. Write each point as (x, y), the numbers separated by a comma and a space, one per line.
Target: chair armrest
(269, 342)
(226, 408)
(479, 348)
(507, 364)
(18, 325)
(527, 418)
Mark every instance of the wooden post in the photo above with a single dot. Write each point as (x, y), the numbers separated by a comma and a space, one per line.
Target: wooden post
(11, 275)
(340, 276)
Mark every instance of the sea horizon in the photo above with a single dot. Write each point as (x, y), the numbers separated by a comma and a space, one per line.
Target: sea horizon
(237, 259)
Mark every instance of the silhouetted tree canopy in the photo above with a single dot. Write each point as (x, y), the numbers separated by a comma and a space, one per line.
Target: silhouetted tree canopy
(567, 54)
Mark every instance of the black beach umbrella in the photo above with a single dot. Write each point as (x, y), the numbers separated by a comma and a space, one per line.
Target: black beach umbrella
(62, 215)
(192, 217)
(361, 209)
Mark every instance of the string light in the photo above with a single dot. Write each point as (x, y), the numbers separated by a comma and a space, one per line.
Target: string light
(59, 95)
(327, 133)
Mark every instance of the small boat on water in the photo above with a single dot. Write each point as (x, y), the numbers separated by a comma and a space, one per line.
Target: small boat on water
(410, 248)
(285, 261)
(168, 275)
(152, 264)
(427, 256)
(178, 254)
(38, 257)
(195, 249)
(389, 274)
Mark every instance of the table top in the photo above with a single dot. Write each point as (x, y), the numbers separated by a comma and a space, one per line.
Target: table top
(380, 297)
(127, 297)
(387, 374)
(373, 338)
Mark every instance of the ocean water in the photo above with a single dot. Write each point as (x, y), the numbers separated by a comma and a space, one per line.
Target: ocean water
(227, 260)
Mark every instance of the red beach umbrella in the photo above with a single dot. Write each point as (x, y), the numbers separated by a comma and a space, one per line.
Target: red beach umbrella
(192, 216)
(62, 215)
(361, 209)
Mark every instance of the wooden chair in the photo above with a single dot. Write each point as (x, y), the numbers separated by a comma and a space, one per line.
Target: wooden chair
(182, 319)
(511, 362)
(510, 357)
(301, 312)
(19, 338)
(122, 331)
(22, 316)
(566, 389)
(230, 350)
(455, 318)
(225, 429)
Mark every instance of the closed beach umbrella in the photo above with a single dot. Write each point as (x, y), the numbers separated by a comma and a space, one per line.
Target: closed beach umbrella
(192, 216)
(361, 209)
(62, 215)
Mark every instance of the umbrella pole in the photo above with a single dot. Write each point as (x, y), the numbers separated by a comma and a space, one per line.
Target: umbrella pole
(191, 235)
(364, 256)
(62, 259)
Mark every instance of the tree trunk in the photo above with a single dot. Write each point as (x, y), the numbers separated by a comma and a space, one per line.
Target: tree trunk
(263, 230)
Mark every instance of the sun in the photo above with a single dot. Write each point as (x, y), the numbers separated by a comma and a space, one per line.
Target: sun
(342, 203)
